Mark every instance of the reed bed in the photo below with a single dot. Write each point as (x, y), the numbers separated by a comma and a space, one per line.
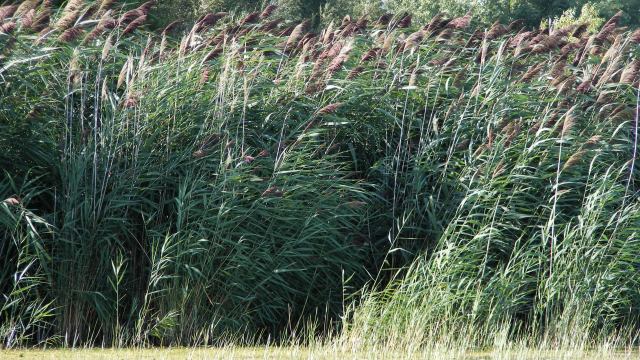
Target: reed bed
(390, 183)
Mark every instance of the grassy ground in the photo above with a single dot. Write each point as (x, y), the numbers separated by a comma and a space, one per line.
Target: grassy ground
(294, 352)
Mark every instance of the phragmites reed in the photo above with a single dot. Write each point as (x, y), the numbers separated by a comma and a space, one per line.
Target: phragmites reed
(354, 204)
(570, 121)
(171, 26)
(134, 25)
(345, 21)
(439, 61)
(268, 11)
(534, 129)
(630, 72)
(459, 76)
(102, 25)
(312, 89)
(213, 53)
(574, 160)
(270, 25)
(557, 69)
(7, 11)
(405, 22)
(460, 22)
(531, 73)
(146, 6)
(205, 75)
(332, 51)
(329, 109)
(251, 19)
(369, 54)
(8, 28)
(287, 31)
(123, 74)
(565, 31)
(580, 30)
(106, 48)
(383, 20)
(585, 86)
(434, 24)
(463, 145)
(71, 34)
(328, 34)
(129, 16)
(593, 141)
(43, 34)
(67, 20)
(362, 22)
(297, 32)
(386, 47)
(355, 72)
(26, 6)
(336, 63)
(615, 19)
(496, 31)
(516, 25)
(200, 153)
(27, 19)
(635, 37)
(414, 39)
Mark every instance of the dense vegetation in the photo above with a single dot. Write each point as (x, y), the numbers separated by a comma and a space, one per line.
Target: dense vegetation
(254, 178)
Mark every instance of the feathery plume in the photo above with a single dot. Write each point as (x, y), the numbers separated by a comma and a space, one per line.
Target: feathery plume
(635, 37)
(269, 191)
(171, 26)
(362, 22)
(28, 18)
(516, 25)
(414, 39)
(200, 153)
(251, 19)
(328, 34)
(312, 89)
(329, 109)
(459, 76)
(71, 34)
(594, 140)
(268, 11)
(345, 21)
(146, 7)
(7, 11)
(297, 32)
(384, 20)
(570, 121)
(41, 21)
(531, 73)
(67, 20)
(355, 72)
(8, 28)
(574, 160)
(630, 72)
(205, 76)
(134, 25)
(270, 25)
(405, 22)
(461, 22)
(386, 47)
(369, 54)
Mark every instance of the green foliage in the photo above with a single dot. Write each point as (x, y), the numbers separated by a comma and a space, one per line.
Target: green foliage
(588, 15)
(170, 190)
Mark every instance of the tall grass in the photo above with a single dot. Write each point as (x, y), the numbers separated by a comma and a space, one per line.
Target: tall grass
(253, 179)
